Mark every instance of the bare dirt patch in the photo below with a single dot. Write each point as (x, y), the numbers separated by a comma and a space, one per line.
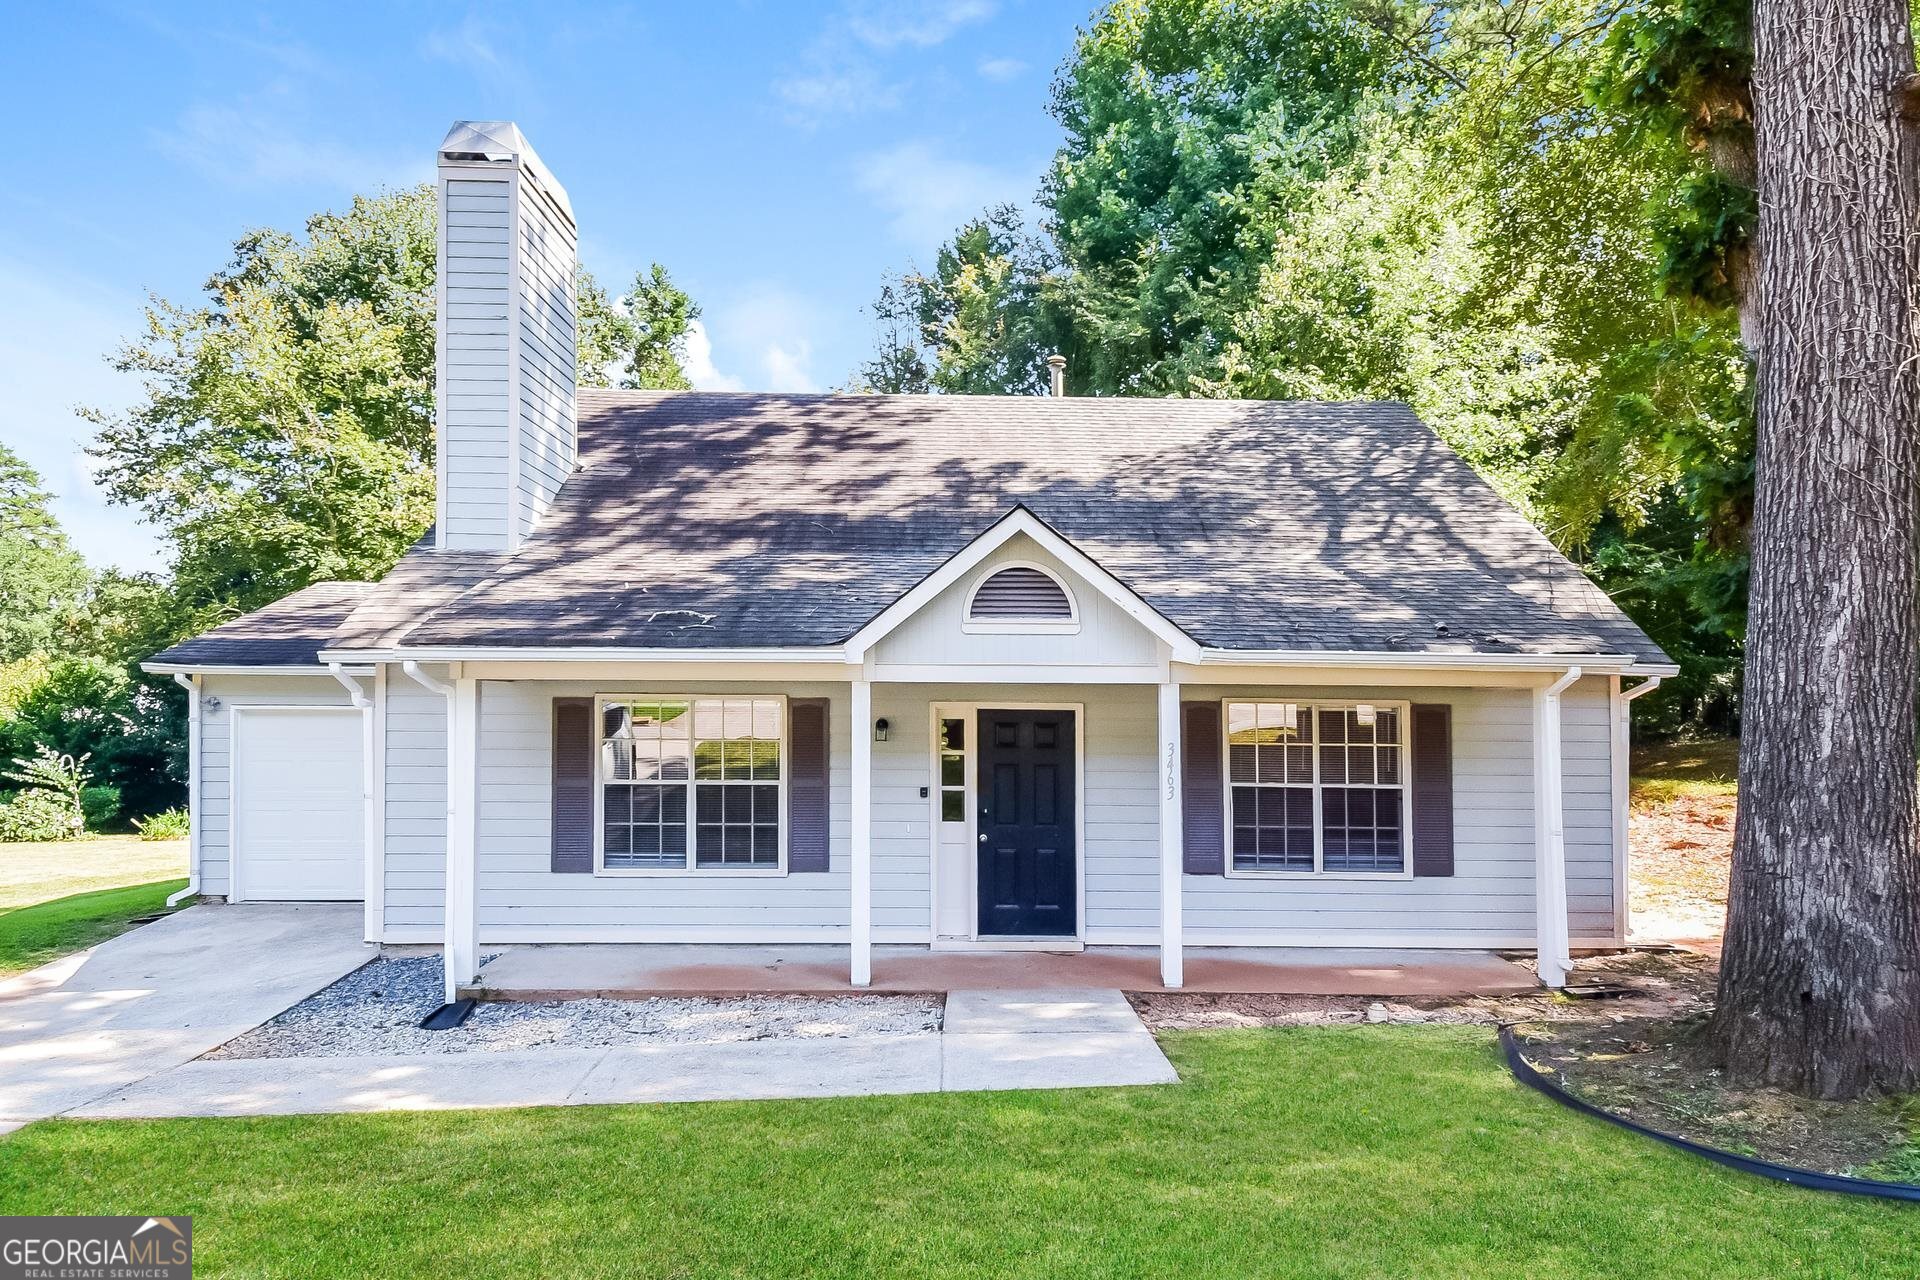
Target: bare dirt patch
(1659, 984)
(1681, 857)
(1657, 1072)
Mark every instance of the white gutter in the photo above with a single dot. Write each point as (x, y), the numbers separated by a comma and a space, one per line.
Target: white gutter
(192, 685)
(287, 669)
(1552, 949)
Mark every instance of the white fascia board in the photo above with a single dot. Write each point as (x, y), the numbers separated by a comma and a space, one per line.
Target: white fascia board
(1019, 521)
(206, 669)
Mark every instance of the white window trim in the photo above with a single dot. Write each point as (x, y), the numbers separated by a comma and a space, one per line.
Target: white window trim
(1403, 709)
(690, 871)
(1069, 625)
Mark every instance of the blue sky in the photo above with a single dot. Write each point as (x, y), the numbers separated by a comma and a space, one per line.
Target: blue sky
(779, 158)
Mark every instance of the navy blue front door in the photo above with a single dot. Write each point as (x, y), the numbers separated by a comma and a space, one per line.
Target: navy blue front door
(1027, 886)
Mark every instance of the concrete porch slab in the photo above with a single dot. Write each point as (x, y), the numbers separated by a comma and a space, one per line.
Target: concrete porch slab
(616, 971)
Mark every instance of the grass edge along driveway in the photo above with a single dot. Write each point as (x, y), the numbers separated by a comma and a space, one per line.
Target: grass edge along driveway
(1335, 1151)
(35, 935)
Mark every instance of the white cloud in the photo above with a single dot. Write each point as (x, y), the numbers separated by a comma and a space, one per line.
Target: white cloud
(1001, 69)
(255, 145)
(838, 73)
(698, 362)
(889, 24)
(764, 335)
(477, 46)
(926, 194)
(789, 370)
(833, 87)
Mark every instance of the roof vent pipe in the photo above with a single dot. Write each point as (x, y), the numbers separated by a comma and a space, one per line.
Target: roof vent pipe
(1057, 374)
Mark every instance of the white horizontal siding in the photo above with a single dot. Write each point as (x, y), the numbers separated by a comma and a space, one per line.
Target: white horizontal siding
(545, 413)
(476, 251)
(1491, 893)
(216, 765)
(1489, 896)
(415, 814)
(517, 893)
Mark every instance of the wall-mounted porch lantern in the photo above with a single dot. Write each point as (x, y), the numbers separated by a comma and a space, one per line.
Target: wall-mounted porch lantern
(880, 728)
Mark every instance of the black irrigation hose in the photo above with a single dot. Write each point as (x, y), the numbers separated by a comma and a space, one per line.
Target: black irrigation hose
(1524, 1072)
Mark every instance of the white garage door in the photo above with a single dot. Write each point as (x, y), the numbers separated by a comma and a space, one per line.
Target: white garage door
(299, 830)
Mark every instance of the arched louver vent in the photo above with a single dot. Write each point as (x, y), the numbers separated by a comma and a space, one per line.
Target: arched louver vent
(1020, 595)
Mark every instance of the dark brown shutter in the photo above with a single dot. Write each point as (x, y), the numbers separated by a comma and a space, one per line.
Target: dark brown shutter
(807, 784)
(572, 785)
(1203, 830)
(1432, 789)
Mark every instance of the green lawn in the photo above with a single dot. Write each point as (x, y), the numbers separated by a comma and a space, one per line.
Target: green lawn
(1665, 771)
(32, 873)
(1368, 1151)
(31, 936)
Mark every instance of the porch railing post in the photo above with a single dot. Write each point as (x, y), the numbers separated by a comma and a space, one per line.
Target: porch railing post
(1172, 851)
(862, 833)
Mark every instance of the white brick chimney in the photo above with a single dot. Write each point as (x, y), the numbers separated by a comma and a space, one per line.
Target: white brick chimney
(504, 382)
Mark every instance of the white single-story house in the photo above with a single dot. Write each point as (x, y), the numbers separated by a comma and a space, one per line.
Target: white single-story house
(958, 672)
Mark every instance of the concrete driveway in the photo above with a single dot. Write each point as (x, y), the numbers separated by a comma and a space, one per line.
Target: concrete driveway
(149, 1000)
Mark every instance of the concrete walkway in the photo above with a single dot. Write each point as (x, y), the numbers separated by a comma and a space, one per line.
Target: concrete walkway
(617, 971)
(998, 1040)
(93, 1023)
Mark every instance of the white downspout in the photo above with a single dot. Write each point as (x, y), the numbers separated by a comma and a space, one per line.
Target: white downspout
(1623, 798)
(192, 685)
(426, 681)
(1553, 951)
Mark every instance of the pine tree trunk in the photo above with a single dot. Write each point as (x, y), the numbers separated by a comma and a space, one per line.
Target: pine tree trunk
(1820, 981)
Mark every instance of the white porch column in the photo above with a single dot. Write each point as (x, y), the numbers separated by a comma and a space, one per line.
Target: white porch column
(462, 951)
(1552, 949)
(862, 832)
(1172, 839)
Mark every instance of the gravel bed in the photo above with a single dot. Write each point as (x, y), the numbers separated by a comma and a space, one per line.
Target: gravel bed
(377, 1009)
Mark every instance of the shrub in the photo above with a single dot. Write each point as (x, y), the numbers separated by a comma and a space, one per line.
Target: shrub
(48, 807)
(39, 815)
(168, 824)
(99, 805)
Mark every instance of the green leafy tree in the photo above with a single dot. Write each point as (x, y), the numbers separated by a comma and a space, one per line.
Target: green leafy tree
(637, 342)
(286, 435)
(1420, 201)
(42, 578)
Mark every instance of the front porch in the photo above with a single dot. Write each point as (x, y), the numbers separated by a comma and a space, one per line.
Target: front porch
(626, 971)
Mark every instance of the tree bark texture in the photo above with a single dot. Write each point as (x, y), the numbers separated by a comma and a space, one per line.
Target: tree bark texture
(1820, 980)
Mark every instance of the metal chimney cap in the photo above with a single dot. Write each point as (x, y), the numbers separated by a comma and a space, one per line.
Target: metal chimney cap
(1057, 374)
(500, 142)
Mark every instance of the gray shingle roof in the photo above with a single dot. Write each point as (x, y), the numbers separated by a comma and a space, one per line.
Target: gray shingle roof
(287, 633)
(708, 520)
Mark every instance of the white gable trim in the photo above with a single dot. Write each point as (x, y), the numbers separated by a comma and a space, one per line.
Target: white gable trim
(1015, 522)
